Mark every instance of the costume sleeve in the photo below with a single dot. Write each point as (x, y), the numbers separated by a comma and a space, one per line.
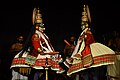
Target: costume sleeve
(36, 41)
(89, 39)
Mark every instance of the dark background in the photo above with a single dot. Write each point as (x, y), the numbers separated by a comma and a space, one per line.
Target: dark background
(61, 18)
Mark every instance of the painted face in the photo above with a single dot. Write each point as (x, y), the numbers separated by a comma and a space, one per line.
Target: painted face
(41, 29)
(83, 27)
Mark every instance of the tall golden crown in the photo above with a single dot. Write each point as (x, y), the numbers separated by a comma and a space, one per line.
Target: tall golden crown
(85, 16)
(37, 17)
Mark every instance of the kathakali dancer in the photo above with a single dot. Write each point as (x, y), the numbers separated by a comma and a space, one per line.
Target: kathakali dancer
(38, 51)
(88, 53)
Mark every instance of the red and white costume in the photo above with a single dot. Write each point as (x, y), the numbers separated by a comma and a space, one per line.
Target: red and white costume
(37, 60)
(43, 42)
(88, 54)
(33, 57)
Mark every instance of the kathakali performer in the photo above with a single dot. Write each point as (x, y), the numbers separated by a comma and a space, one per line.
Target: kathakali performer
(88, 53)
(38, 50)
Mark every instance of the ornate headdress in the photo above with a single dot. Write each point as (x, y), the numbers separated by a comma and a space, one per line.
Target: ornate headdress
(37, 18)
(85, 16)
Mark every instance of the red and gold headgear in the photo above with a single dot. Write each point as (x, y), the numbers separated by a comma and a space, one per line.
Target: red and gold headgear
(37, 19)
(85, 16)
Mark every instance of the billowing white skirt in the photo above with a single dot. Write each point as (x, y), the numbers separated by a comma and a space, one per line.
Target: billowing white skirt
(102, 55)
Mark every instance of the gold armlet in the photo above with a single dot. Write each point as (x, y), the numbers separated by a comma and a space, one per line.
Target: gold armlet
(39, 50)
